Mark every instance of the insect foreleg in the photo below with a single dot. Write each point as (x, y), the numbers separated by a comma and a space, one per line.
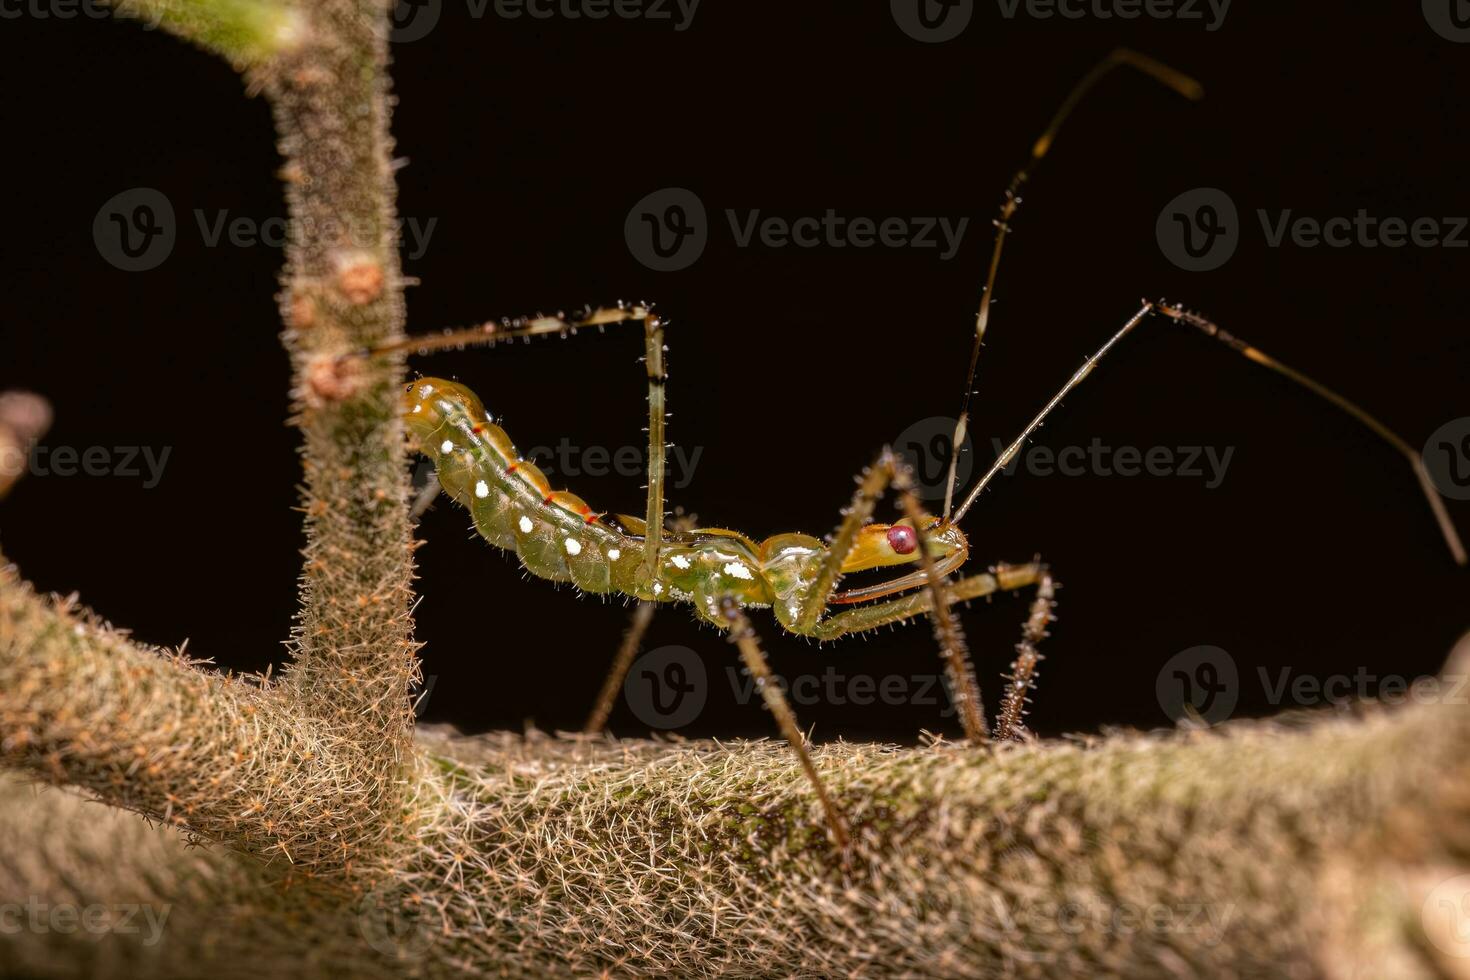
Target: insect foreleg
(871, 484)
(742, 634)
(860, 619)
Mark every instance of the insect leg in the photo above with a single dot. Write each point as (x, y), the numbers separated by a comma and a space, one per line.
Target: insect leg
(742, 634)
(653, 360)
(871, 484)
(860, 619)
(1022, 678)
(495, 332)
(632, 640)
(963, 687)
(499, 331)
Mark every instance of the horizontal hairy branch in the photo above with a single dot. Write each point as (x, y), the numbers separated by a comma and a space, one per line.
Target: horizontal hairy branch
(1307, 847)
(230, 759)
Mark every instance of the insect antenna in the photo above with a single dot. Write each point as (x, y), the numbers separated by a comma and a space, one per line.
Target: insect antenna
(1120, 57)
(1416, 462)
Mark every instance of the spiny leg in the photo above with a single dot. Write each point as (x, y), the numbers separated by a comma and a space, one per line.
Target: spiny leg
(742, 634)
(495, 332)
(618, 672)
(1121, 57)
(653, 358)
(871, 485)
(861, 619)
(963, 687)
(1022, 678)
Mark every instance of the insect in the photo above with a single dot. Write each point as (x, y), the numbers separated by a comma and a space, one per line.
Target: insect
(720, 573)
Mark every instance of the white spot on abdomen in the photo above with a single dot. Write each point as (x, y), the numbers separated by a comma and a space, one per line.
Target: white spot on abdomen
(614, 554)
(447, 446)
(574, 547)
(735, 569)
(482, 489)
(526, 524)
(680, 561)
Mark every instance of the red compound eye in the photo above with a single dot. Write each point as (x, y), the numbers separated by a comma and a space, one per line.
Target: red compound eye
(902, 539)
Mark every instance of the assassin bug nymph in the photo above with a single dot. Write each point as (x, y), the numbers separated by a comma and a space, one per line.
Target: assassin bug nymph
(720, 572)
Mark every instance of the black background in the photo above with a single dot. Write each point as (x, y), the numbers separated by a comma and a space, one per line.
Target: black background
(530, 140)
